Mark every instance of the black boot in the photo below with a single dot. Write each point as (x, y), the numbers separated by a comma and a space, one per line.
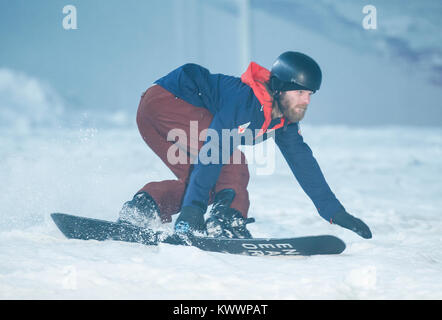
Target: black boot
(141, 211)
(225, 221)
(191, 219)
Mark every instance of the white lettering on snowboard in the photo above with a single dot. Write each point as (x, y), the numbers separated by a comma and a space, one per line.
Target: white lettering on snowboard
(254, 249)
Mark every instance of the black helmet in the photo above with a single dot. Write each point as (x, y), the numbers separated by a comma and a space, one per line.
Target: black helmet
(295, 71)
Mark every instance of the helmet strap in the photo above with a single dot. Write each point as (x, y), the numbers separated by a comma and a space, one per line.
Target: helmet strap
(276, 96)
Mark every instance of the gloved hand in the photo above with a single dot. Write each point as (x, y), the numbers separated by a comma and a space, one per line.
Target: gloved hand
(190, 219)
(346, 220)
(225, 221)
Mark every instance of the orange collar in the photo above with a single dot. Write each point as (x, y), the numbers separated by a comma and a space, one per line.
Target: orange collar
(254, 77)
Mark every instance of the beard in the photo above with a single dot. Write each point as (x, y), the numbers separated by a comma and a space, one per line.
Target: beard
(293, 114)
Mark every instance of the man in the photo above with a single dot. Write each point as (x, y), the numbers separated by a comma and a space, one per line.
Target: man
(268, 103)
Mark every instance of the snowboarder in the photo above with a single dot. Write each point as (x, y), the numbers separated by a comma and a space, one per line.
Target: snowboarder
(270, 103)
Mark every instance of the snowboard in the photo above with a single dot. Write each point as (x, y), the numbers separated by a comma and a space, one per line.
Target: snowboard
(75, 227)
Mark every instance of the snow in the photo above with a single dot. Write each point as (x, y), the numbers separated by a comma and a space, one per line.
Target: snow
(58, 155)
(388, 176)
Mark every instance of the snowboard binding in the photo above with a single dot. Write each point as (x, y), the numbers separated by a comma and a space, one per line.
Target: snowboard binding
(141, 211)
(225, 221)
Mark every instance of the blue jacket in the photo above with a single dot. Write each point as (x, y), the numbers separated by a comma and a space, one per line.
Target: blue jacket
(235, 102)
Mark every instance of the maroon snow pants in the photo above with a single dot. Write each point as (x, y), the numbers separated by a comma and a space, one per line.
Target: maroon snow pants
(158, 113)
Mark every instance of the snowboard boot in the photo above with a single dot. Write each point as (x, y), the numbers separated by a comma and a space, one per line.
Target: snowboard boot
(141, 211)
(225, 221)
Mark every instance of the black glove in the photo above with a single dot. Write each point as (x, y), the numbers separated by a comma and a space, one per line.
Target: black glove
(346, 220)
(190, 219)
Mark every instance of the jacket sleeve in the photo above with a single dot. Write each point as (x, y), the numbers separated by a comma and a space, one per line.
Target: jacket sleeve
(304, 166)
(207, 167)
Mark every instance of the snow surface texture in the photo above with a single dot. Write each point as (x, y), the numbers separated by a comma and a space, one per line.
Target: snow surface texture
(389, 177)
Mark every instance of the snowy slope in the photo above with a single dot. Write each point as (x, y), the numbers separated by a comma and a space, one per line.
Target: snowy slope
(57, 157)
(388, 176)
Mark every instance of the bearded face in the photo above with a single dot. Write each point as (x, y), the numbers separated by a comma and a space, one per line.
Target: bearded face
(293, 104)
